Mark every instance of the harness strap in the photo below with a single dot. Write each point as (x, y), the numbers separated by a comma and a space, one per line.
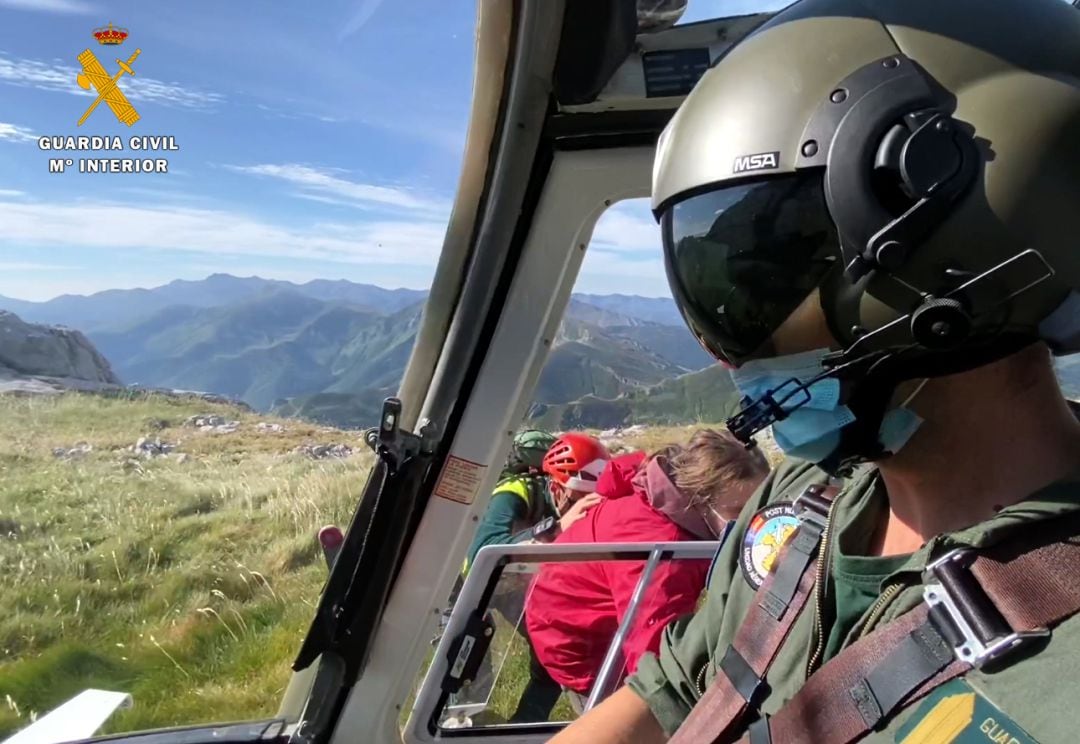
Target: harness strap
(978, 610)
(740, 681)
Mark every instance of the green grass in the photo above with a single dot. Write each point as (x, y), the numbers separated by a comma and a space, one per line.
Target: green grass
(188, 584)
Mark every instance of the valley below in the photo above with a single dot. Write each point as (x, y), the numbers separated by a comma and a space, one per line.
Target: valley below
(331, 351)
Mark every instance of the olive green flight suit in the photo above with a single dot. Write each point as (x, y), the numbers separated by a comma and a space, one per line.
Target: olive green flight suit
(1037, 693)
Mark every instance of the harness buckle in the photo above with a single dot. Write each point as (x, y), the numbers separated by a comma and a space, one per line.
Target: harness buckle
(813, 505)
(965, 614)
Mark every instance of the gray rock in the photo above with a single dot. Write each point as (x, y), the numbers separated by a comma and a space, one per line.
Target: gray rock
(80, 449)
(212, 423)
(148, 448)
(32, 350)
(323, 451)
(28, 386)
(204, 419)
(266, 426)
(227, 428)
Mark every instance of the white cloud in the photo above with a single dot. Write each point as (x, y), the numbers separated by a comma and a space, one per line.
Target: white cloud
(11, 193)
(628, 225)
(75, 7)
(30, 266)
(604, 273)
(441, 132)
(300, 114)
(15, 133)
(324, 185)
(625, 253)
(182, 228)
(161, 194)
(55, 76)
(360, 15)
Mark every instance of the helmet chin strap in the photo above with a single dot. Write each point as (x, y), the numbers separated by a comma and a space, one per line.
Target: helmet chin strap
(562, 501)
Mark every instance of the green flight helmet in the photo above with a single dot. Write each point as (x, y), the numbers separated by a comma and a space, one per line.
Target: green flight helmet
(527, 451)
(900, 177)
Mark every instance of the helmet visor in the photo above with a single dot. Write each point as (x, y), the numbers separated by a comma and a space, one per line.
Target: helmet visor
(741, 258)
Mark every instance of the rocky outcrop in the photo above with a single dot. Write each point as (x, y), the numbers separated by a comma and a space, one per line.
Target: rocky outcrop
(323, 451)
(41, 359)
(212, 423)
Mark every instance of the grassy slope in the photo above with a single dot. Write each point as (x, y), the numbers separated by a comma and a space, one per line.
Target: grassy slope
(187, 584)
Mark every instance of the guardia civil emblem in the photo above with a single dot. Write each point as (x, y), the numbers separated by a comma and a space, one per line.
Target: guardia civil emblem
(104, 84)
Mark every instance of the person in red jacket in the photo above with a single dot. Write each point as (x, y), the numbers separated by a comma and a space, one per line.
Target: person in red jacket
(681, 493)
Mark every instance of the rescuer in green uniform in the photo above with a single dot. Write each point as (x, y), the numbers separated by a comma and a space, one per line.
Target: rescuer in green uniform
(870, 211)
(525, 497)
(520, 498)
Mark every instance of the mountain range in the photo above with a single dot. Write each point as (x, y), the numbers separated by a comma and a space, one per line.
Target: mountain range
(332, 350)
(113, 308)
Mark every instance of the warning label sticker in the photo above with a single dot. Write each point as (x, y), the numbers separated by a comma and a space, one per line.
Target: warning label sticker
(460, 480)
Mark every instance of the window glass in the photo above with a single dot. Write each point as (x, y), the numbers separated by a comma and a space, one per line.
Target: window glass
(212, 269)
(705, 10)
(624, 366)
(562, 629)
(1068, 372)
(624, 369)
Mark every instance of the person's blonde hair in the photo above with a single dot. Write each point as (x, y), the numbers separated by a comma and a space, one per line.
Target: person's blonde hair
(708, 467)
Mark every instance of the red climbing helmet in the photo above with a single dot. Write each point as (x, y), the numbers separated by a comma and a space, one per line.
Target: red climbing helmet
(576, 461)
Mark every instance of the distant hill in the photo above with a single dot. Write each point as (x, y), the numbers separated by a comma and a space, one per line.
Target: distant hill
(347, 410)
(587, 359)
(119, 308)
(586, 362)
(332, 350)
(279, 344)
(654, 309)
(707, 395)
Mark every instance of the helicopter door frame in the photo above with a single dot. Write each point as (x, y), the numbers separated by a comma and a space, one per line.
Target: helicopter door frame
(464, 631)
(580, 186)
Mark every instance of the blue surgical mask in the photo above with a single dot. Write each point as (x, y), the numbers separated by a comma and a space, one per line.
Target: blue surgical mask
(815, 416)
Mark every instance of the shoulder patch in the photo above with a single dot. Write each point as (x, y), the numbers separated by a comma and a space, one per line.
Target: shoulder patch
(955, 712)
(769, 528)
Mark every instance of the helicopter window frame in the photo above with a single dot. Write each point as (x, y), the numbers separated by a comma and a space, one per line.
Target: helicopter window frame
(473, 601)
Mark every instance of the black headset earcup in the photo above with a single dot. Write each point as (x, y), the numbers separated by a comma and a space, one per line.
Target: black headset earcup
(933, 155)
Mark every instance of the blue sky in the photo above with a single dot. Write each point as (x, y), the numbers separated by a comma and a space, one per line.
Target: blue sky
(317, 140)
